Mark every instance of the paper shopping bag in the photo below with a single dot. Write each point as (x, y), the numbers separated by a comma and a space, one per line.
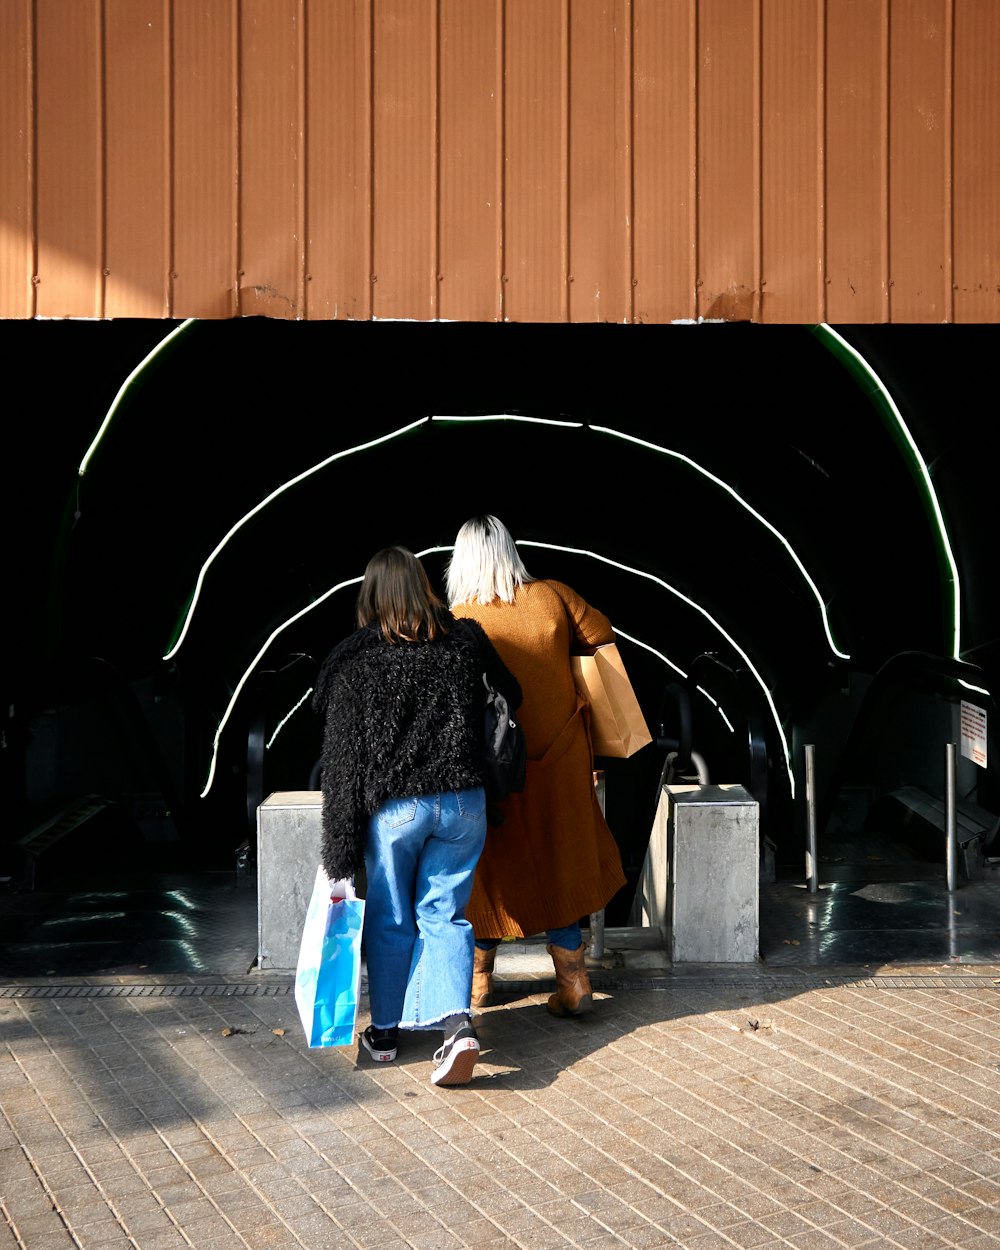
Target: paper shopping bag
(328, 973)
(617, 725)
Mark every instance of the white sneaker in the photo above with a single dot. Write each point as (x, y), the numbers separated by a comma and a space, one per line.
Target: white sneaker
(456, 1058)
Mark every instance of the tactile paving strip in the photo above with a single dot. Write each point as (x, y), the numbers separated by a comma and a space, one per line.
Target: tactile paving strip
(947, 981)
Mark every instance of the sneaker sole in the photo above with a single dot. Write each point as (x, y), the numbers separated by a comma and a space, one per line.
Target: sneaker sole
(457, 1068)
(380, 1056)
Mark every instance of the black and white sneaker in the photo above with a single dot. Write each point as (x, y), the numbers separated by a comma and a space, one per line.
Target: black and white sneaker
(455, 1060)
(380, 1043)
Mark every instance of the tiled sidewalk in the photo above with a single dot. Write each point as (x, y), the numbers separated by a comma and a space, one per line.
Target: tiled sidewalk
(705, 1108)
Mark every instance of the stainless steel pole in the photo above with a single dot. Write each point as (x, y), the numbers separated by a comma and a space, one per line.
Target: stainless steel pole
(950, 824)
(812, 875)
(595, 948)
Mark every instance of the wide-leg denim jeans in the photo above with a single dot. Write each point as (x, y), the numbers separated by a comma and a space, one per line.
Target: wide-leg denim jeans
(420, 856)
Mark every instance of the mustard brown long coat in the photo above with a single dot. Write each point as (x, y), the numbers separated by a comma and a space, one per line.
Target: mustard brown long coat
(553, 859)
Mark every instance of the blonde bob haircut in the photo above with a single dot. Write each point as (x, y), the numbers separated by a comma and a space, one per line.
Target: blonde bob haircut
(485, 564)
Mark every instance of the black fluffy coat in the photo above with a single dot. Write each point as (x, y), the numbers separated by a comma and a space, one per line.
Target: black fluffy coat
(400, 719)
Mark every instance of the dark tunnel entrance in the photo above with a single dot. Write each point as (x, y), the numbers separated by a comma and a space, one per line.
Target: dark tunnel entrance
(736, 497)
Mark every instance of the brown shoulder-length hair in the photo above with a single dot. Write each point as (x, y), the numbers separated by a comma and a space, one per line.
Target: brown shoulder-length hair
(397, 594)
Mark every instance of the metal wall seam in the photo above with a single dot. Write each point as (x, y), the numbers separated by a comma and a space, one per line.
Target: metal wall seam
(435, 275)
(694, 211)
(235, 14)
(886, 241)
(32, 154)
(822, 273)
(370, 274)
(101, 223)
(949, 164)
(758, 157)
(630, 278)
(565, 138)
(500, 124)
(302, 178)
(169, 158)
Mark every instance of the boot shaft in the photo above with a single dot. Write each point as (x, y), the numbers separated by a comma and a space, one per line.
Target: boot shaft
(574, 995)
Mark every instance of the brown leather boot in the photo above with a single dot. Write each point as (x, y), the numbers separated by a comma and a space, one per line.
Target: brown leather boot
(575, 995)
(482, 977)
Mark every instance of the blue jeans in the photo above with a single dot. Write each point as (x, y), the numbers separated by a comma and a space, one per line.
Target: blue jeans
(420, 856)
(569, 937)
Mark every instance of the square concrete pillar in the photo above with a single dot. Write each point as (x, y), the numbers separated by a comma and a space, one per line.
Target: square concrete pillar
(713, 886)
(288, 849)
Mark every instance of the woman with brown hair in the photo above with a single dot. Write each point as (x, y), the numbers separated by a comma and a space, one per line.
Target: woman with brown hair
(402, 781)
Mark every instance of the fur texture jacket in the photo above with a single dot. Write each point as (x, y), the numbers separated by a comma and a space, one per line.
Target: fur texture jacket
(399, 719)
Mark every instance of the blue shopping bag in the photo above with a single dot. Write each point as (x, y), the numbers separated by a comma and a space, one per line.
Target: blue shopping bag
(328, 973)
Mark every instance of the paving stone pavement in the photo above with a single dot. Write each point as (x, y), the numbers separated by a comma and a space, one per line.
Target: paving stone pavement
(700, 1107)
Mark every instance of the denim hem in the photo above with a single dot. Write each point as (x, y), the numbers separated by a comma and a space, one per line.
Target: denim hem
(438, 1021)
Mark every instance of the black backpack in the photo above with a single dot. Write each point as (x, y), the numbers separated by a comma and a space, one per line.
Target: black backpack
(505, 752)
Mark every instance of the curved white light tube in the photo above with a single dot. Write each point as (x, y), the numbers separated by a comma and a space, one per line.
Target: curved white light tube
(351, 581)
(502, 417)
(109, 417)
(280, 490)
(707, 615)
(676, 455)
(354, 581)
(918, 460)
(925, 477)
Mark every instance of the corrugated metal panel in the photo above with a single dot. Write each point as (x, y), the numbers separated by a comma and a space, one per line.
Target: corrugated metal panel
(665, 155)
(485, 160)
(728, 159)
(69, 158)
(470, 230)
(792, 143)
(535, 90)
(857, 161)
(137, 159)
(974, 194)
(405, 160)
(204, 167)
(16, 164)
(338, 147)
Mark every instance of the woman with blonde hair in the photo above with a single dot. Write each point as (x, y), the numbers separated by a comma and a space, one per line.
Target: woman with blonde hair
(552, 859)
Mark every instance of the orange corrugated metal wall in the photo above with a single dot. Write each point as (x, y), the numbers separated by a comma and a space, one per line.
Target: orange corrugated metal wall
(486, 160)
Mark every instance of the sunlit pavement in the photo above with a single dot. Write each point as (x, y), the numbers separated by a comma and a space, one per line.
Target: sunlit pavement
(844, 1090)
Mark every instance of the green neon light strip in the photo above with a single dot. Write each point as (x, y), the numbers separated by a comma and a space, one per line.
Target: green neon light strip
(849, 356)
(123, 390)
(878, 393)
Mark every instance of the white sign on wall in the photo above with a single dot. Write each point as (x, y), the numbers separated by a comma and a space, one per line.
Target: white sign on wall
(974, 733)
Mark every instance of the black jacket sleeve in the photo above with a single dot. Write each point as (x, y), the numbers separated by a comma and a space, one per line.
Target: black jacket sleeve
(498, 673)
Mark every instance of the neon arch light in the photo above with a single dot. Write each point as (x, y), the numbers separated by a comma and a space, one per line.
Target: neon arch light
(438, 550)
(574, 425)
(859, 368)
